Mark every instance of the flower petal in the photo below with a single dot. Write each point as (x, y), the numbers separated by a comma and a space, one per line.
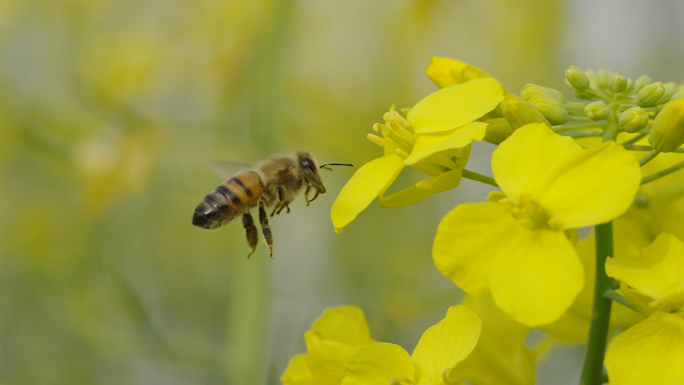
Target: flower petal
(441, 71)
(580, 186)
(455, 106)
(447, 343)
(405, 197)
(297, 373)
(442, 182)
(538, 277)
(334, 338)
(658, 271)
(467, 242)
(371, 180)
(650, 352)
(378, 364)
(448, 72)
(431, 143)
(500, 356)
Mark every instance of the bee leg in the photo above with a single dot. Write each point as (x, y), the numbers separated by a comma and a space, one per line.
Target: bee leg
(315, 195)
(265, 228)
(280, 196)
(248, 224)
(284, 205)
(306, 195)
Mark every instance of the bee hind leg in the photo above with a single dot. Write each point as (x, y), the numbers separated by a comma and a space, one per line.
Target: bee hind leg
(265, 228)
(251, 230)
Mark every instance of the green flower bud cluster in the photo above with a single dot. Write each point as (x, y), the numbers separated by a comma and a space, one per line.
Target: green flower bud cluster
(550, 102)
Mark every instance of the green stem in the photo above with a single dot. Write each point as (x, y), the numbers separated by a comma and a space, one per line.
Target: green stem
(581, 126)
(574, 134)
(479, 177)
(600, 313)
(662, 173)
(635, 139)
(649, 157)
(636, 147)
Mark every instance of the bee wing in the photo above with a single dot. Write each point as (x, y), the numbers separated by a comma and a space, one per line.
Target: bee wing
(228, 169)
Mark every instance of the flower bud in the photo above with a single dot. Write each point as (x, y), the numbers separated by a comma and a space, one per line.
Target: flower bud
(603, 79)
(552, 109)
(597, 110)
(531, 90)
(667, 132)
(633, 120)
(497, 130)
(650, 94)
(618, 83)
(679, 94)
(576, 79)
(520, 112)
(670, 89)
(643, 81)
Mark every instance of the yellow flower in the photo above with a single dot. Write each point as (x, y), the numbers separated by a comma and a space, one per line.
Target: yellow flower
(440, 349)
(445, 72)
(434, 138)
(334, 338)
(631, 235)
(516, 248)
(500, 357)
(652, 351)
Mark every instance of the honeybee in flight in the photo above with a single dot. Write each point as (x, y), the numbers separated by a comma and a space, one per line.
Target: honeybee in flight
(274, 181)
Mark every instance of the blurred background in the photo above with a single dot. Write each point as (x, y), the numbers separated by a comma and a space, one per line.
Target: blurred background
(110, 112)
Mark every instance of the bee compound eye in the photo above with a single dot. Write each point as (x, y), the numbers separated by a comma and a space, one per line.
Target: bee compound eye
(308, 163)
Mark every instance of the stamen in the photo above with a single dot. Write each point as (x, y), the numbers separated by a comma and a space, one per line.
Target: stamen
(377, 127)
(402, 154)
(376, 139)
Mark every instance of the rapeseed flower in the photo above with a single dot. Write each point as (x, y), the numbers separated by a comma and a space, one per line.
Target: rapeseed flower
(652, 351)
(434, 137)
(514, 247)
(439, 350)
(334, 338)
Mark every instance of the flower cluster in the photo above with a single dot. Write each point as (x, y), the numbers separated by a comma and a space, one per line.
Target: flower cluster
(559, 166)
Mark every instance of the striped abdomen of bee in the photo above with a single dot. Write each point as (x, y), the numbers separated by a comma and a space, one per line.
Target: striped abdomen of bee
(232, 198)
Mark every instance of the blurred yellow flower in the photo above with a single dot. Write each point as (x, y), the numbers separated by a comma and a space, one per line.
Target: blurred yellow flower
(516, 248)
(445, 72)
(439, 350)
(334, 338)
(500, 357)
(652, 351)
(434, 138)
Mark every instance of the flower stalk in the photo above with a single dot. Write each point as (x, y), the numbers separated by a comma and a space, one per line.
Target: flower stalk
(600, 313)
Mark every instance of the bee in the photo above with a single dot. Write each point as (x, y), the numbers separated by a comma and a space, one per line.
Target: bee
(274, 181)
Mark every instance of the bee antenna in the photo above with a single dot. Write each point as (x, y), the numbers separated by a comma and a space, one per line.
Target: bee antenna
(325, 165)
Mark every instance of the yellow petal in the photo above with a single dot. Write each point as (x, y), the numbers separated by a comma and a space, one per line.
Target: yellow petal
(405, 197)
(371, 180)
(468, 240)
(378, 364)
(538, 277)
(650, 352)
(441, 70)
(580, 186)
(442, 182)
(334, 338)
(297, 373)
(500, 356)
(658, 271)
(431, 143)
(447, 343)
(455, 106)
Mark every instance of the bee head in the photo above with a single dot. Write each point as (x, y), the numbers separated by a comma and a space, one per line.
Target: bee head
(309, 170)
